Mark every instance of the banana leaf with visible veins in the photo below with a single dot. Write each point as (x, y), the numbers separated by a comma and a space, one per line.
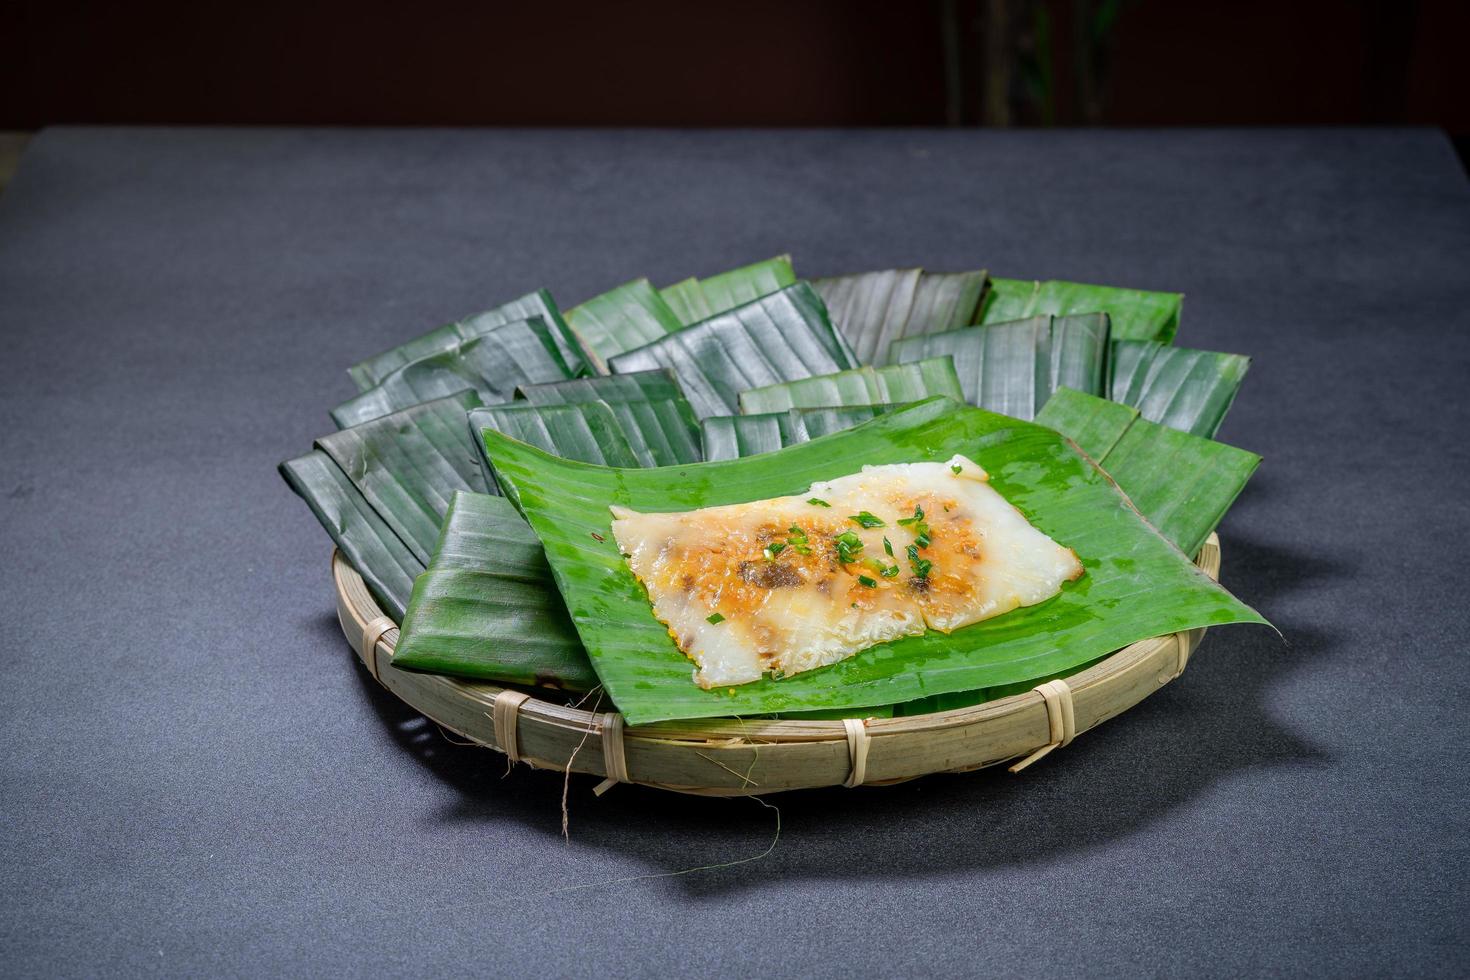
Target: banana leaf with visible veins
(493, 364)
(621, 319)
(638, 386)
(1012, 368)
(365, 540)
(699, 299)
(874, 309)
(1189, 390)
(487, 607)
(368, 373)
(779, 337)
(861, 386)
(1136, 584)
(1183, 484)
(585, 431)
(409, 464)
(1136, 314)
(734, 436)
(650, 405)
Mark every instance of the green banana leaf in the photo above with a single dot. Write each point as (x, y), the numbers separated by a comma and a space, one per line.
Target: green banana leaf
(586, 431)
(699, 299)
(1137, 584)
(649, 405)
(734, 436)
(1189, 390)
(1093, 423)
(409, 464)
(1012, 368)
(368, 373)
(861, 386)
(621, 319)
(1183, 484)
(874, 309)
(662, 433)
(870, 308)
(487, 608)
(1135, 313)
(639, 386)
(780, 337)
(380, 557)
(493, 364)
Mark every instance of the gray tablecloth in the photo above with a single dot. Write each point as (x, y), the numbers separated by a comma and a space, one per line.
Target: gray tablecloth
(198, 779)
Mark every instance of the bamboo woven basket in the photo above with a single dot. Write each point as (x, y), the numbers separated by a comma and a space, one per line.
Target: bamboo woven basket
(733, 757)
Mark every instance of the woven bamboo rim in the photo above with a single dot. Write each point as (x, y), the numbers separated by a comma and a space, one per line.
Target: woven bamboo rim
(734, 757)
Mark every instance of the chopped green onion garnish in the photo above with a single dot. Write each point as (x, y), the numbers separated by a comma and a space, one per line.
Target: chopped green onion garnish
(773, 549)
(714, 619)
(920, 528)
(888, 547)
(864, 580)
(887, 571)
(848, 546)
(798, 541)
(866, 519)
(956, 468)
(818, 502)
(921, 566)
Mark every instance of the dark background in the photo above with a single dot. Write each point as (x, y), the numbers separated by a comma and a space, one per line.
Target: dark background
(755, 63)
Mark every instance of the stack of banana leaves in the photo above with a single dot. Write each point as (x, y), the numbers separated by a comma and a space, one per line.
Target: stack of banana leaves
(471, 478)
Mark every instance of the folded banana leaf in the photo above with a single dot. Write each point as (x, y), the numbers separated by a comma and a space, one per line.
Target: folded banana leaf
(380, 557)
(487, 608)
(870, 308)
(1137, 584)
(1189, 390)
(586, 431)
(1135, 313)
(1093, 423)
(734, 436)
(409, 464)
(780, 337)
(1183, 484)
(650, 405)
(874, 309)
(861, 386)
(699, 299)
(493, 364)
(639, 386)
(662, 433)
(621, 319)
(1012, 368)
(368, 373)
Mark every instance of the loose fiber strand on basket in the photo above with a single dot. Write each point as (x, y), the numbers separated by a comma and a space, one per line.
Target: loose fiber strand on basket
(744, 777)
(567, 776)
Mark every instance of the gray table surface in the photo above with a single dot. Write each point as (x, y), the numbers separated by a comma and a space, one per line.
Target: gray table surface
(197, 779)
